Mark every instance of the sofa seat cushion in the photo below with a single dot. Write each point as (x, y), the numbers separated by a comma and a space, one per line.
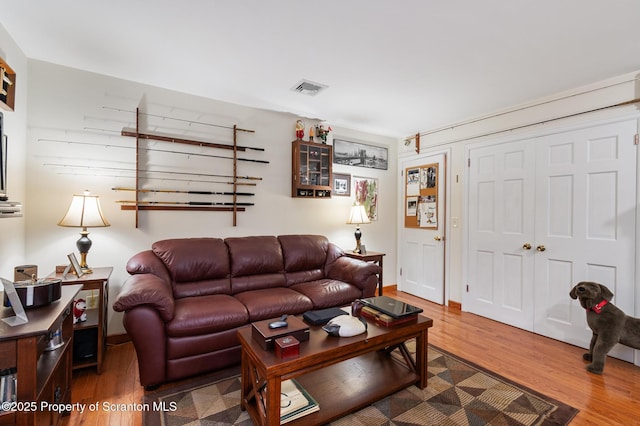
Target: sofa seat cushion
(326, 293)
(273, 302)
(206, 314)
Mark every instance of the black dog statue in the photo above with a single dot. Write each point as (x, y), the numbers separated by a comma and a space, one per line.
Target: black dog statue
(609, 324)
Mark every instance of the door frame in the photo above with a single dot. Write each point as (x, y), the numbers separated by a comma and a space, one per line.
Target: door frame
(446, 152)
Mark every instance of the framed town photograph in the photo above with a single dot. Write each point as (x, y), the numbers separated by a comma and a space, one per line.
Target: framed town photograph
(360, 155)
(341, 184)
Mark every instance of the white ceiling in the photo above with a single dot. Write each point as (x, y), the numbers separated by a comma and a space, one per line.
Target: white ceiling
(393, 67)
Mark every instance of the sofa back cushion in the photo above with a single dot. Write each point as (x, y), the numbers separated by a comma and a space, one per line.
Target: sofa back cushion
(255, 262)
(198, 266)
(305, 257)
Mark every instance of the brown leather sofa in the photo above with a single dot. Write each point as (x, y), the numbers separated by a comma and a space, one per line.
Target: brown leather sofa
(186, 298)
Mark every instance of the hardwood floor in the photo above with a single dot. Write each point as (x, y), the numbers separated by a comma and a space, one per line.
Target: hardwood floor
(553, 368)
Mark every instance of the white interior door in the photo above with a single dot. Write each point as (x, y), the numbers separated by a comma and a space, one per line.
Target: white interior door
(546, 213)
(422, 250)
(501, 230)
(585, 219)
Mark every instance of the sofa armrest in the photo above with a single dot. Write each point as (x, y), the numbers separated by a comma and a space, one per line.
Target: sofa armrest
(146, 290)
(363, 275)
(353, 271)
(146, 262)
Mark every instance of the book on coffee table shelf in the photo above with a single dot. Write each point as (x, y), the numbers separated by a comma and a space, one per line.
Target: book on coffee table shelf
(385, 320)
(295, 401)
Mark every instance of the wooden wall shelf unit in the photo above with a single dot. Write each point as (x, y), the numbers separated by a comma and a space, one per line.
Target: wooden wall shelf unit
(41, 375)
(311, 167)
(8, 88)
(235, 179)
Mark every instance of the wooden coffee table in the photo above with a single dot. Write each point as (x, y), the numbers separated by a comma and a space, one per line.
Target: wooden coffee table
(343, 374)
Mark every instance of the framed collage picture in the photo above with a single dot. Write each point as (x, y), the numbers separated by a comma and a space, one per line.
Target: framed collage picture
(421, 203)
(366, 193)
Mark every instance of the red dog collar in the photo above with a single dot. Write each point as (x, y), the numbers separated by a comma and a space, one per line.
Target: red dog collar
(598, 308)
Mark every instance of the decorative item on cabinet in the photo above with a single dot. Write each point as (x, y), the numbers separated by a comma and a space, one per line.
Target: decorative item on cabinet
(299, 129)
(322, 132)
(311, 170)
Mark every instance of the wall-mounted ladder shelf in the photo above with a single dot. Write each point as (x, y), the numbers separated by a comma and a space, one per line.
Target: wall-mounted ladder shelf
(236, 180)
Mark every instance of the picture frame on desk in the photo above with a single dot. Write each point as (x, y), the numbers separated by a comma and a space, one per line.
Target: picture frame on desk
(75, 265)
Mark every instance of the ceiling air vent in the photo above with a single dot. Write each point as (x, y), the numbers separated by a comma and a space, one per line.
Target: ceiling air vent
(307, 87)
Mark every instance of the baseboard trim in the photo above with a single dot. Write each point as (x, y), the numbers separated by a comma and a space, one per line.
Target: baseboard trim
(455, 305)
(118, 339)
(391, 287)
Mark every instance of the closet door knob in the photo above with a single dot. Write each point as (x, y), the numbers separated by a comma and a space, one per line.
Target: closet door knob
(526, 246)
(437, 238)
(541, 248)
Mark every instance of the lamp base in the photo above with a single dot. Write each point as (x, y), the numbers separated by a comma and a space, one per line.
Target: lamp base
(358, 235)
(83, 245)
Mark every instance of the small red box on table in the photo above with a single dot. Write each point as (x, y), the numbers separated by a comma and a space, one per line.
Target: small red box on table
(287, 347)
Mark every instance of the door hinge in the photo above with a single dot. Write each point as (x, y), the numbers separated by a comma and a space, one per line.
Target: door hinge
(468, 162)
(635, 139)
(467, 288)
(400, 271)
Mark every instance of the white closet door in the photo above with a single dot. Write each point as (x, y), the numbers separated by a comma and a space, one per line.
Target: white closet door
(501, 225)
(585, 219)
(572, 197)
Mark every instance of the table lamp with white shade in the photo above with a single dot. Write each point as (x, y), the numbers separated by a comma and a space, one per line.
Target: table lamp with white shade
(358, 216)
(84, 212)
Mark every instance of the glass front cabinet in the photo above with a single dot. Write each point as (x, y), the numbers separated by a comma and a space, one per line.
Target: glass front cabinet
(311, 169)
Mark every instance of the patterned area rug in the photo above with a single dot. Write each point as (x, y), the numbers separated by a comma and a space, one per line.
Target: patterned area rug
(458, 393)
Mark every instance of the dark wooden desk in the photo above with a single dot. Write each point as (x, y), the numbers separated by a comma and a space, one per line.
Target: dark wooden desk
(371, 256)
(43, 375)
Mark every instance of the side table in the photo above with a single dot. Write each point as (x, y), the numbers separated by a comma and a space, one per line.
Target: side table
(370, 256)
(91, 333)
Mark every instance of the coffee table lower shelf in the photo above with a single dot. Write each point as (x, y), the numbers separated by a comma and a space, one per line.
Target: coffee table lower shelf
(350, 385)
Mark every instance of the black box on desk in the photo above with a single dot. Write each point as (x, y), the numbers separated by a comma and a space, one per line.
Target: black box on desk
(266, 336)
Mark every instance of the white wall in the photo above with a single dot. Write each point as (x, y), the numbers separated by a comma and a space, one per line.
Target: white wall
(68, 105)
(562, 109)
(12, 230)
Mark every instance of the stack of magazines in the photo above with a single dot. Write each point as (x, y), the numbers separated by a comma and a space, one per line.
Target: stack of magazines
(295, 401)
